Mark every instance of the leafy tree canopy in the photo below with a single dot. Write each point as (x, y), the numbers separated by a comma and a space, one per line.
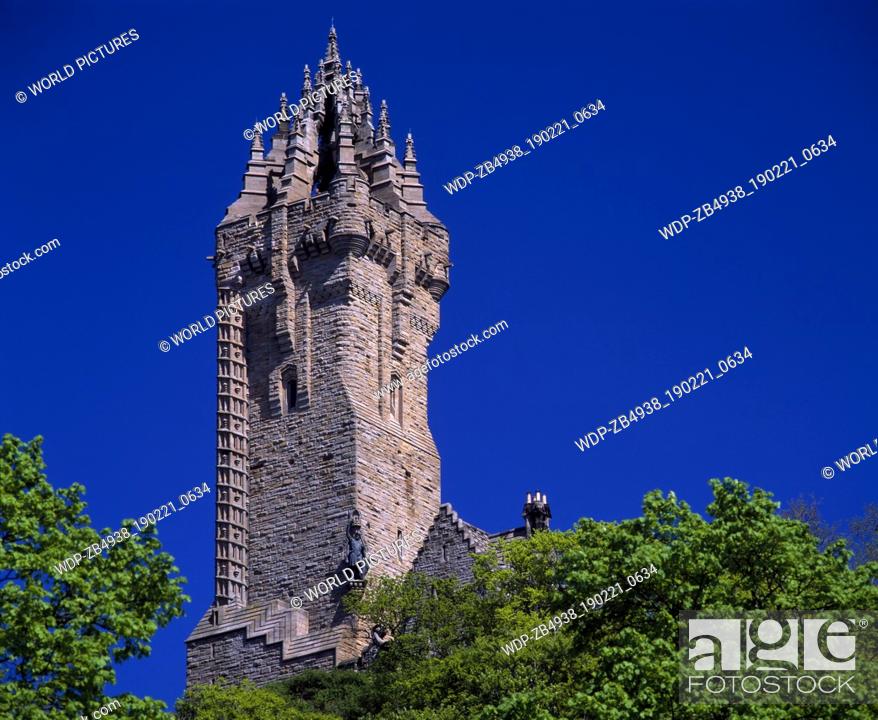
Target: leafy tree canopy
(61, 632)
(619, 662)
(224, 702)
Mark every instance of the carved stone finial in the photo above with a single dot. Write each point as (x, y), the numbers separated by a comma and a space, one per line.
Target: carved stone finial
(384, 121)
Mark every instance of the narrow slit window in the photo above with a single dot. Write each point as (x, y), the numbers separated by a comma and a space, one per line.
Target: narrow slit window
(290, 389)
(396, 397)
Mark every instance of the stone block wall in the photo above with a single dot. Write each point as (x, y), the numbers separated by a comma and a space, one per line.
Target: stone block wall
(448, 549)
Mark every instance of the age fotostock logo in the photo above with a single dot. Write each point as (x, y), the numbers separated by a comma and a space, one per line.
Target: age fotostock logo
(769, 657)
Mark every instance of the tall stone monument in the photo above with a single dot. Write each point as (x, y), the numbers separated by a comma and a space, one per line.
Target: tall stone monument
(311, 459)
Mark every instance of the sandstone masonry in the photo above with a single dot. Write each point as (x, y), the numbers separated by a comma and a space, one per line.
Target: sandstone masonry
(313, 469)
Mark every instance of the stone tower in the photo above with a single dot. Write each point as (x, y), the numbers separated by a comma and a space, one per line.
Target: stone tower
(306, 446)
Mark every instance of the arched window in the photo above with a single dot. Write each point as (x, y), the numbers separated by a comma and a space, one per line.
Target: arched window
(290, 389)
(399, 544)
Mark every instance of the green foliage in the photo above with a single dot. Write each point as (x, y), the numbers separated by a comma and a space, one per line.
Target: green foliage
(59, 633)
(240, 702)
(618, 662)
(343, 694)
(863, 532)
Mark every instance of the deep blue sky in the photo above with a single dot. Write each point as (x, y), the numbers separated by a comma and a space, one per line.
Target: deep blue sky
(131, 163)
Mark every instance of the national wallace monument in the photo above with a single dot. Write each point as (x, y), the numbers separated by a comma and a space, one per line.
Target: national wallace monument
(310, 460)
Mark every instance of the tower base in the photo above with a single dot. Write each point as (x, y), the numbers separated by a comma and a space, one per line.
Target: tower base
(266, 642)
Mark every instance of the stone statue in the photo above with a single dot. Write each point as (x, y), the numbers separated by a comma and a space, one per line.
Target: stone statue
(381, 636)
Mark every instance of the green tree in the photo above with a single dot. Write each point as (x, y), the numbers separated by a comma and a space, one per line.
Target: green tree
(807, 510)
(452, 658)
(240, 702)
(619, 661)
(341, 693)
(60, 633)
(863, 532)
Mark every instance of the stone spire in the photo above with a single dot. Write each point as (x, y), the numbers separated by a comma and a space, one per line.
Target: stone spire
(367, 111)
(281, 137)
(347, 71)
(332, 57)
(346, 163)
(384, 124)
(306, 83)
(283, 125)
(411, 161)
(295, 182)
(412, 190)
(256, 147)
(386, 181)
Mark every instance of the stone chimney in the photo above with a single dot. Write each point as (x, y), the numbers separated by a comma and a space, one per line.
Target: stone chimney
(536, 513)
